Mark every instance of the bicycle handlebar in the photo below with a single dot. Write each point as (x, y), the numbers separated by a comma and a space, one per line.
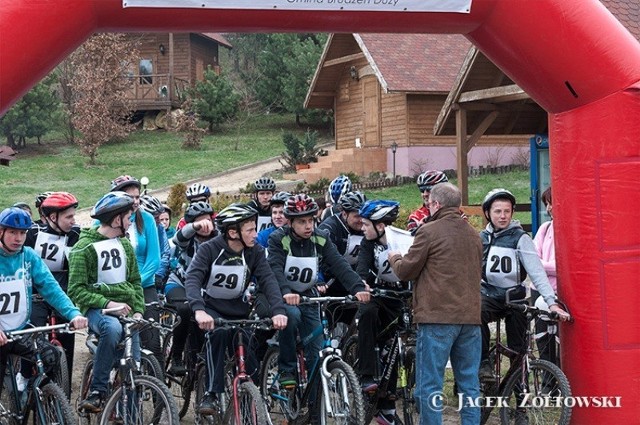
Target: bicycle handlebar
(312, 300)
(13, 335)
(392, 293)
(535, 311)
(220, 322)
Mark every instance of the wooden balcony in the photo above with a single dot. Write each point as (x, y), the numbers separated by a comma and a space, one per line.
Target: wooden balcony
(157, 92)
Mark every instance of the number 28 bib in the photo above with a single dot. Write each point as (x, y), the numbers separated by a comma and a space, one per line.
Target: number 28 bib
(112, 261)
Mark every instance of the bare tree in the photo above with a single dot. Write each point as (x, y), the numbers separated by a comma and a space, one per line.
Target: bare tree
(102, 69)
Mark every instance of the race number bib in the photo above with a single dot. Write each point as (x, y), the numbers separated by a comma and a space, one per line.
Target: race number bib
(14, 310)
(263, 223)
(226, 282)
(503, 267)
(302, 272)
(385, 272)
(112, 261)
(52, 249)
(353, 249)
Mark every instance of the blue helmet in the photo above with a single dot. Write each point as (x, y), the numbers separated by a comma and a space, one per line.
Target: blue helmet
(380, 211)
(338, 187)
(15, 218)
(110, 205)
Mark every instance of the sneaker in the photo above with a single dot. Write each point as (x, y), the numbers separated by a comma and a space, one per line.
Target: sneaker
(287, 380)
(486, 370)
(177, 368)
(368, 384)
(385, 419)
(93, 402)
(208, 405)
(521, 418)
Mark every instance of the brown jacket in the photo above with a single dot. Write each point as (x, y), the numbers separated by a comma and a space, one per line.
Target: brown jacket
(445, 263)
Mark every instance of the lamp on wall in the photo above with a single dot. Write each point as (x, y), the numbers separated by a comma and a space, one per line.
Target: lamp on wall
(162, 50)
(394, 148)
(354, 73)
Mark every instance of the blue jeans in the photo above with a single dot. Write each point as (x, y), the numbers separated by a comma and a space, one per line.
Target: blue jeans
(437, 343)
(110, 333)
(304, 319)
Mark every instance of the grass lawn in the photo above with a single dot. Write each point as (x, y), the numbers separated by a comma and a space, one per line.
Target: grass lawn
(58, 166)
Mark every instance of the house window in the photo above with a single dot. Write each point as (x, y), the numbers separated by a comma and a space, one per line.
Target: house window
(146, 71)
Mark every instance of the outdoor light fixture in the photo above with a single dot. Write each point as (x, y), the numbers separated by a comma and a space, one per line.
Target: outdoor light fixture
(144, 182)
(161, 48)
(354, 73)
(394, 148)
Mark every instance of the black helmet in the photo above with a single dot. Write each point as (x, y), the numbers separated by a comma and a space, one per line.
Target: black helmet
(151, 204)
(198, 190)
(428, 179)
(300, 205)
(352, 201)
(110, 205)
(197, 209)
(235, 214)
(122, 182)
(264, 184)
(279, 198)
(495, 194)
(41, 197)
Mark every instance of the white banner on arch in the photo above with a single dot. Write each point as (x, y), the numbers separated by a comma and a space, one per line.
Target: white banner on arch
(452, 6)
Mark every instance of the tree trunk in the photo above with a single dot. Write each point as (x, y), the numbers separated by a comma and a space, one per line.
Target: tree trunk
(11, 142)
(298, 123)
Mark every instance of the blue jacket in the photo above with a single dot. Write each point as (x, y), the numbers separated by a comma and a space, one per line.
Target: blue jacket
(147, 249)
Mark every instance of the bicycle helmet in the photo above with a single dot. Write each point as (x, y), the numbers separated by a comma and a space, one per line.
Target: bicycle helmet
(197, 190)
(58, 201)
(197, 209)
(430, 178)
(264, 183)
(110, 205)
(15, 218)
(338, 187)
(380, 211)
(41, 197)
(122, 182)
(352, 201)
(301, 205)
(495, 194)
(235, 214)
(279, 198)
(151, 204)
(22, 206)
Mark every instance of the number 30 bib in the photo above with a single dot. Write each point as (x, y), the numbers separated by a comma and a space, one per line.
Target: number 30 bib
(112, 261)
(302, 272)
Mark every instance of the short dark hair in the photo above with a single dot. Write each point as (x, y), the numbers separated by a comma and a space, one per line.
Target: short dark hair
(546, 196)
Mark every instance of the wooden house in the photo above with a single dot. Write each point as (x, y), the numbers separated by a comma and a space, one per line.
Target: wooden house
(387, 90)
(169, 63)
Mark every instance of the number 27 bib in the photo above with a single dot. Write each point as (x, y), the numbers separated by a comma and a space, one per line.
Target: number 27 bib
(14, 311)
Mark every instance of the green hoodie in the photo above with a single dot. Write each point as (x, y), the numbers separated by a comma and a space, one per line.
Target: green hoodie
(84, 288)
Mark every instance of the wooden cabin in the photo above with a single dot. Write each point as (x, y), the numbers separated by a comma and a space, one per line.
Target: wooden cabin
(169, 63)
(387, 90)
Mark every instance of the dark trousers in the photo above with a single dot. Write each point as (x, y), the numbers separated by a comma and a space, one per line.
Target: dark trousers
(516, 324)
(40, 311)
(18, 348)
(176, 297)
(150, 338)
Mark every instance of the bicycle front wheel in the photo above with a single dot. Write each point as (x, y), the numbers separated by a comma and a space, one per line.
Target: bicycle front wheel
(343, 395)
(52, 406)
(148, 401)
(251, 408)
(538, 398)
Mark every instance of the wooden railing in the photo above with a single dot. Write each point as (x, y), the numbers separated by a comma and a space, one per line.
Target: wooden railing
(161, 88)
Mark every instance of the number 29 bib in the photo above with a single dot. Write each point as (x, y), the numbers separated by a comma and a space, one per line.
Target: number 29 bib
(112, 261)
(226, 282)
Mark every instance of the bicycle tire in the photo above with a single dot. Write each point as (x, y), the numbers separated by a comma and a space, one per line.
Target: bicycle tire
(8, 400)
(543, 379)
(200, 384)
(350, 351)
(408, 402)
(150, 366)
(161, 411)
(251, 406)
(180, 386)
(342, 382)
(60, 374)
(55, 406)
(87, 376)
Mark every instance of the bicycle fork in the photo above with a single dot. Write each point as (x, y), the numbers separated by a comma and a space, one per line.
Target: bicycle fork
(326, 356)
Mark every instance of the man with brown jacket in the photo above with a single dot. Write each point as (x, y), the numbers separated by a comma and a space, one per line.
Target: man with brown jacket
(445, 264)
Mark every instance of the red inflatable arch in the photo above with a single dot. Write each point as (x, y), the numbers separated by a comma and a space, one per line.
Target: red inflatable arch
(574, 58)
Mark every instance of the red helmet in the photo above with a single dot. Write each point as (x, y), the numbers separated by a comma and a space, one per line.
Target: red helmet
(58, 201)
(300, 205)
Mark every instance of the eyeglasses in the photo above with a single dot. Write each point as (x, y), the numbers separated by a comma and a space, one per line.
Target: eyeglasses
(430, 203)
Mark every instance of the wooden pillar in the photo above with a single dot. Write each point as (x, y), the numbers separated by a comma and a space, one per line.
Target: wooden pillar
(461, 154)
(172, 89)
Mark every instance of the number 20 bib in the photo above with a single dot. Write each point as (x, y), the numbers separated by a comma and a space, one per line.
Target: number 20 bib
(112, 261)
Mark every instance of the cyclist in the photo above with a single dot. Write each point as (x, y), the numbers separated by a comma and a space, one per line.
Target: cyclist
(277, 217)
(52, 243)
(143, 234)
(165, 220)
(23, 206)
(103, 273)
(21, 270)
(425, 182)
(295, 254)
(39, 198)
(198, 230)
(153, 206)
(373, 267)
(338, 187)
(508, 256)
(222, 267)
(263, 189)
(197, 192)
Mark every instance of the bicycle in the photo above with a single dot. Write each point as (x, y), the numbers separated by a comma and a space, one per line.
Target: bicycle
(526, 380)
(399, 350)
(133, 398)
(44, 397)
(339, 396)
(242, 402)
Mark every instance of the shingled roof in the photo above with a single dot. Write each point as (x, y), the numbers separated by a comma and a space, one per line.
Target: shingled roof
(627, 12)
